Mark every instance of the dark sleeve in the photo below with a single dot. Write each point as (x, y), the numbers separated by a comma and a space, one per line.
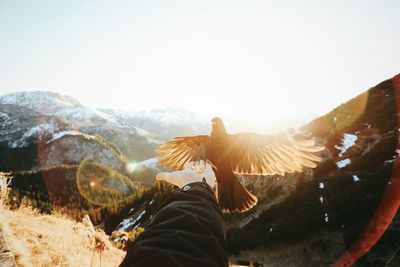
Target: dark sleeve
(188, 230)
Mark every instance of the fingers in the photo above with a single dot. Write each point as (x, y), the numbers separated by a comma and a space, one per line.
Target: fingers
(208, 168)
(192, 172)
(192, 164)
(162, 176)
(165, 176)
(180, 178)
(189, 165)
(209, 173)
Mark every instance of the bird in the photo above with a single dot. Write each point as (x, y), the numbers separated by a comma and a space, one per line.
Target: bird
(245, 153)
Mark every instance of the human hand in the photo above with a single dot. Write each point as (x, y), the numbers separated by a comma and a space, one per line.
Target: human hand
(192, 172)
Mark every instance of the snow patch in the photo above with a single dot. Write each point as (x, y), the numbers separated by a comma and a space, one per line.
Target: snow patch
(343, 163)
(5, 120)
(83, 115)
(103, 115)
(142, 132)
(35, 131)
(4, 115)
(12, 144)
(149, 163)
(348, 141)
(39, 129)
(126, 223)
(70, 133)
(389, 161)
(321, 186)
(148, 135)
(326, 217)
(321, 199)
(356, 178)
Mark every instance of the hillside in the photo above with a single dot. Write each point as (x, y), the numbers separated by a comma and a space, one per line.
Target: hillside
(311, 218)
(328, 208)
(35, 241)
(45, 136)
(318, 215)
(25, 116)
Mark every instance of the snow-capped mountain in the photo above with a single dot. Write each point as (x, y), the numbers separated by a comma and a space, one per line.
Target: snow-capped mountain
(164, 123)
(27, 117)
(20, 126)
(40, 101)
(61, 106)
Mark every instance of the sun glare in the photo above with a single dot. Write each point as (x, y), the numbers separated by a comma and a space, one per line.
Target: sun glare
(244, 60)
(132, 166)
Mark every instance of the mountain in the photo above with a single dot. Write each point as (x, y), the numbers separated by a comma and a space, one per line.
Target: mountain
(27, 116)
(318, 215)
(73, 115)
(45, 137)
(44, 102)
(165, 123)
(314, 218)
(302, 219)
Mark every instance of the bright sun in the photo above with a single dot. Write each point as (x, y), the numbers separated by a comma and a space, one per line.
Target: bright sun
(262, 63)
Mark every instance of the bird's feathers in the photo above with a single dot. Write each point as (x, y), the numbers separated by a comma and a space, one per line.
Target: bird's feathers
(244, 153)
(233, 196)
(180, 150)
(248, 153)
(256, 154)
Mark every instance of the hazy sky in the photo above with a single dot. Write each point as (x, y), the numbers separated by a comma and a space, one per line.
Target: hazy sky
(249, 59)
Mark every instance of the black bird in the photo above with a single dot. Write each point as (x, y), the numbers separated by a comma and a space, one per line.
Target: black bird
(243, 153)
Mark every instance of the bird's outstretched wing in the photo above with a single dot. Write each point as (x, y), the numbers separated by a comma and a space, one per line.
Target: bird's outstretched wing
(181, 150)
(256, 154)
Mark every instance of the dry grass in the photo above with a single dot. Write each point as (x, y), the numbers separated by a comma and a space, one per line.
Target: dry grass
(52, 240)
(48, 240)
(5, 180)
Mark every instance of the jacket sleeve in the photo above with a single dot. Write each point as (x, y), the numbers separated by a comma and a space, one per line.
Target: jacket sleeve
(188, 230)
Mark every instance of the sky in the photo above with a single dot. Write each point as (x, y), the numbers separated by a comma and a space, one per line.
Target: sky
(253, 60)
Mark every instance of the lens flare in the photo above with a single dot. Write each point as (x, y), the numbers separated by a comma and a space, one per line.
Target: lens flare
(132, 166)
(386, 210)
(103, 186)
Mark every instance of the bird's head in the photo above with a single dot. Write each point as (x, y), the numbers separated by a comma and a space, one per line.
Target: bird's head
(217, 125)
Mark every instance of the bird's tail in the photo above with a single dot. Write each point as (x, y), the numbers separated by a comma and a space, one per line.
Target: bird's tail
(233, 196)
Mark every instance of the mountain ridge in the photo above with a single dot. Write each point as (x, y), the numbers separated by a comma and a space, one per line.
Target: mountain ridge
(318, 214)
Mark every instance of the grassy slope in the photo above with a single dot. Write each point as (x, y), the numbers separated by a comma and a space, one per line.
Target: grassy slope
(44, 240)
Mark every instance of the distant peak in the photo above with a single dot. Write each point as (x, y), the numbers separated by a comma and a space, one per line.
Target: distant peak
(43, 101)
